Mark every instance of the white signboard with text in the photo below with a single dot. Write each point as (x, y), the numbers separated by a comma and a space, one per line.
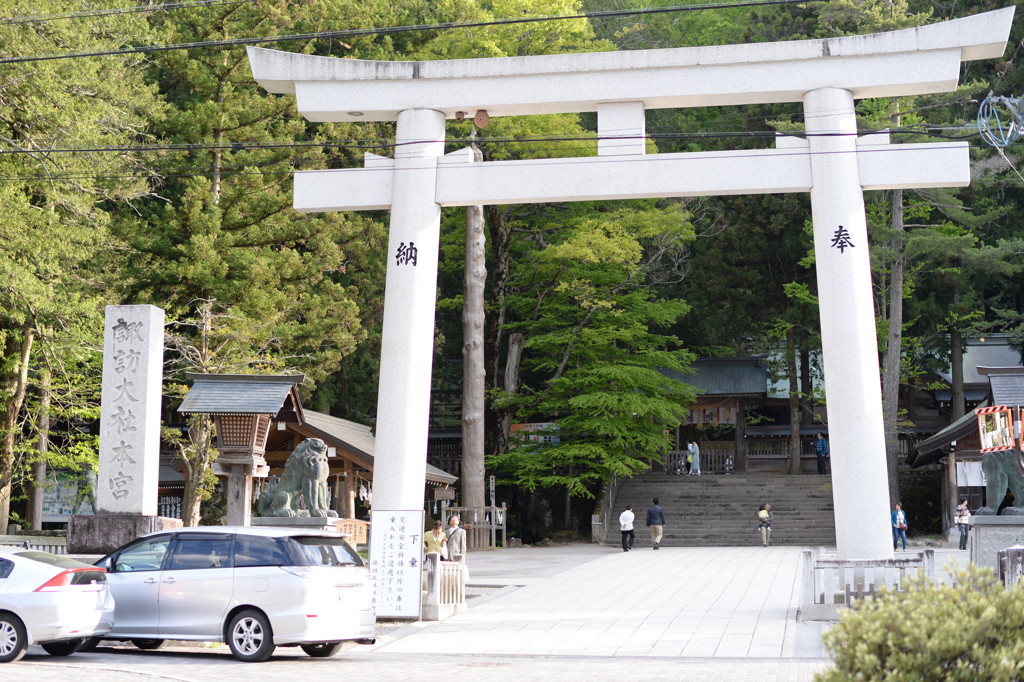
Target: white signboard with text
(396, 562)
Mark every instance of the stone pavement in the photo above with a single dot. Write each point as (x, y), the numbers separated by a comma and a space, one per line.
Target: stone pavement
(570, 612)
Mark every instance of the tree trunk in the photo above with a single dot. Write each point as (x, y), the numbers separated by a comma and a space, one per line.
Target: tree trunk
(473, 369)
(794, 403)
(956, 371)
(15, 386)
(195, 468)
(511, 385)
(893, 351)
(806, 387)
(38, 492)
(740, 461)
(498, 243)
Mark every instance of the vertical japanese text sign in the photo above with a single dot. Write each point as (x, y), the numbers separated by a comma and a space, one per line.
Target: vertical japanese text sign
(396, 562)
(133, 356)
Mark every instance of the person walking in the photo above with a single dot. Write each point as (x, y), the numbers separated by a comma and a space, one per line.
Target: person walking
(963, 522)
(899, 527)
(456, 540)
(821, 452)
(655, 523)
(626, 526)
(693, 457)
(764, 525)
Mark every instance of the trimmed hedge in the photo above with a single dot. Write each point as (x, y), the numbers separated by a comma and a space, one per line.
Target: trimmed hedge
(970, 631)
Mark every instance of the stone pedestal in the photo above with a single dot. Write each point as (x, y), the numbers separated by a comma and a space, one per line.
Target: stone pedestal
(103, 533)
(238, 472)
(304, 522)
(989, 534)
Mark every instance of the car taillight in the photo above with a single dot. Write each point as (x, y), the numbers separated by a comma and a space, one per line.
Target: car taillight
(74, 576)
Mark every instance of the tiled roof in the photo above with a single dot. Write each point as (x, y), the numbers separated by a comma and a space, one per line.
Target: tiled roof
(238, 393)
(725, 377)
(359, 438)
(1007, 389)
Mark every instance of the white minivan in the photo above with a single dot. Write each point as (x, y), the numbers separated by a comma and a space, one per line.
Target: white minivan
(255, 588)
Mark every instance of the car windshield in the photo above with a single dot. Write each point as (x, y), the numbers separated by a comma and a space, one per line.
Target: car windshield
(326, 551)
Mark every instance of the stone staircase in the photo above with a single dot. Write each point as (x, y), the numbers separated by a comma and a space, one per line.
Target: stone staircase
(720, 510)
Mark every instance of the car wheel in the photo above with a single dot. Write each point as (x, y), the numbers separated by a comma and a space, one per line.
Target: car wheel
(249, 636)
(13, 641)
(65, 648)
(88, 644)
(321, 649)
(148, 644)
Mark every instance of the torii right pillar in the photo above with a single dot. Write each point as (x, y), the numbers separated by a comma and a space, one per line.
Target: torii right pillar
(849, 343)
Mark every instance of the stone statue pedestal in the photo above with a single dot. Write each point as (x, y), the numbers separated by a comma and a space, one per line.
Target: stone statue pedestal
(103, 533)
(990, 534)
(305, 522)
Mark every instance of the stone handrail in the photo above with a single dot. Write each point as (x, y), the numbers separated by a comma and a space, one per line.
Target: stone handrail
(54, 544)
(601, 522)
(444, 587)
(828, 583)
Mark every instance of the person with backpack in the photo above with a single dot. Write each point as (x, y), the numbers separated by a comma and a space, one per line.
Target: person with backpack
(764, 523)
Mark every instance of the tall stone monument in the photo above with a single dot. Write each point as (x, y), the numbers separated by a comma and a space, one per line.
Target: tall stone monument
(130, 406)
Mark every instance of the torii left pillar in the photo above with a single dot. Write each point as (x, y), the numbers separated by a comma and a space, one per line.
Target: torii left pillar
(403, 401)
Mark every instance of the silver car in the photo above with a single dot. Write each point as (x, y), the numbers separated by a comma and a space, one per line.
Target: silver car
(50, 600)
(255, 588)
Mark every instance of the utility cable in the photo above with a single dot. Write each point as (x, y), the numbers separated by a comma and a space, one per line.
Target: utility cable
(391, 30)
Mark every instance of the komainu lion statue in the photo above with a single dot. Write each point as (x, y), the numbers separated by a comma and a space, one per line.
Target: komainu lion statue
(302, 489)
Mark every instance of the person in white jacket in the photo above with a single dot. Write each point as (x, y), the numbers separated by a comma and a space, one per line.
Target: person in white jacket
(626, 526)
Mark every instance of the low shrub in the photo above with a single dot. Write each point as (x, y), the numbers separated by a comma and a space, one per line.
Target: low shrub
(968, 631)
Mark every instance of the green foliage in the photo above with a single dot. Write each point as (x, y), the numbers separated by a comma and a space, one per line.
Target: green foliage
(228, 233)
(965, 632)
(668, 29)
(592, 353)
(53, 236)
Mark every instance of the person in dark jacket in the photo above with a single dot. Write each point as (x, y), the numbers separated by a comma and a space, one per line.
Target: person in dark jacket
(655, 523)
(821, 453)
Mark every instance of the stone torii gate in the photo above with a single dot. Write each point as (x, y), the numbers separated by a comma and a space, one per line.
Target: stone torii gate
(832, 163)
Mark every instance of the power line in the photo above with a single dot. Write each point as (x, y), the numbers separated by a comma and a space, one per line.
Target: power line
(84, 14)
(390, 30)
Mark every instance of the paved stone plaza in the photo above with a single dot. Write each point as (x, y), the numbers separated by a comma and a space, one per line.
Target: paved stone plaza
(570, 612)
